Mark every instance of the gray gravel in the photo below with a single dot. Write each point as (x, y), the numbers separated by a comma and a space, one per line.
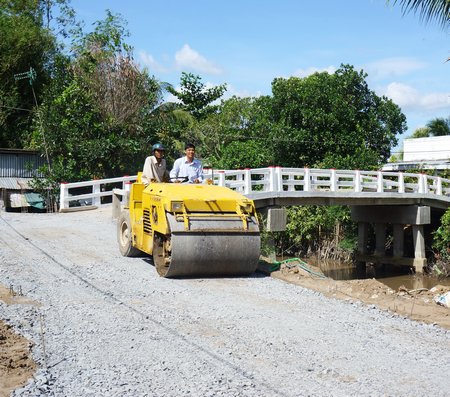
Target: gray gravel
(110, 326)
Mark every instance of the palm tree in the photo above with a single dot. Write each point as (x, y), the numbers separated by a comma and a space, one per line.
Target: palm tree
(428, 9)
(439, 127)
(423, 132)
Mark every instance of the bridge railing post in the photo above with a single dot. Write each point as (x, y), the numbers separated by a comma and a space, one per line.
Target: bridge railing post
(421, 183)
(126, 197)
(63, 195)
(307, 180)
(96, 189)
(272, 180)
(380, 182)
(425, 183)
(357, 181)
(438, 182)
(401, 182)
(333, 180)
(221, 180)
(279, 178)
(247, 181)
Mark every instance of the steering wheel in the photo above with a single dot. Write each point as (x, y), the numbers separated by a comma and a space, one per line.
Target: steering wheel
(180, 179)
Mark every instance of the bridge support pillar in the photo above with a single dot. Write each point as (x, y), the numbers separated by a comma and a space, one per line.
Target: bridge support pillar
(420, 259)
(398, 216)
(363, 237)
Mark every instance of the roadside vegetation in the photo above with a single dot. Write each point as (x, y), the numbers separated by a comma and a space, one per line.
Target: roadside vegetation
(81, 99)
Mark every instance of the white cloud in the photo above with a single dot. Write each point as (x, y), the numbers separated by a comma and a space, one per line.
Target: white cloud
(232, 91)
(188, 58)
(168, 97)
(150, 62)
(409, 98)
(311, 70)
(392, 67)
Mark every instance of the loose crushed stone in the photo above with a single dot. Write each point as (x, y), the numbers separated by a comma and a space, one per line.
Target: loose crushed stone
(110, 326)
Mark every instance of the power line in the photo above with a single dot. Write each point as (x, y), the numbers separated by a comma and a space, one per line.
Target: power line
(13, 108)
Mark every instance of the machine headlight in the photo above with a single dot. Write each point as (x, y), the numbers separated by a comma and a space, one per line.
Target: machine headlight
(177, 206)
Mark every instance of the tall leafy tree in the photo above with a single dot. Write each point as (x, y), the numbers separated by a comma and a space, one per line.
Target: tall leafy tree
(334, 120)
(97, 113)
(26, 43)
(195, 97)
(324, 120)
(238, 134)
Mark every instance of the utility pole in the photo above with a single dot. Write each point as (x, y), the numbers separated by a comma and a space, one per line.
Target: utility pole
(31, 76)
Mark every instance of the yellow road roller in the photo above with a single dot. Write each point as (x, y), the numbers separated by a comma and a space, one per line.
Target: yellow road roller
(190, 229)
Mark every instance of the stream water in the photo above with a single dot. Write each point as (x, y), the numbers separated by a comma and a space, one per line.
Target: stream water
(391, 276)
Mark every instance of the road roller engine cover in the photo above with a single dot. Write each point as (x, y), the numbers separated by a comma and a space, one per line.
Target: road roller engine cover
(190, 229)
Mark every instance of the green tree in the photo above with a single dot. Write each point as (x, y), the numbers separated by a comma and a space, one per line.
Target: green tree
(334, 120)
(423, 132)
(441, 244)
(97, 113)
(195, 98)
(396, 157)
(324, 120)
(25, 43)
(439, 127)
(232, 137)
(310, 226)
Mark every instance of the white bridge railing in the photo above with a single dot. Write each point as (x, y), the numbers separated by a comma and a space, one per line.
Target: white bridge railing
(276, 179)
(91, 193)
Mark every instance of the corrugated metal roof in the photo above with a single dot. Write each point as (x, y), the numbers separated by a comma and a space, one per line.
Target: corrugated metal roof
(20, 164)
(15, 183)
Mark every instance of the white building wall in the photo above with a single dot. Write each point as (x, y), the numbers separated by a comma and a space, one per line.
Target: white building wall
(434, 148)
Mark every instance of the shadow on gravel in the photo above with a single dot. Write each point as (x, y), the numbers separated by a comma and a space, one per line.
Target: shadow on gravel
(257, 274)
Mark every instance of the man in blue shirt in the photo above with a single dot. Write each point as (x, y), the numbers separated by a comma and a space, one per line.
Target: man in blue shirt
(188, 166)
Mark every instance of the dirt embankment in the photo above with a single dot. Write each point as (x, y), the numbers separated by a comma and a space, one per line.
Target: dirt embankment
(416, 304)
(16, 363)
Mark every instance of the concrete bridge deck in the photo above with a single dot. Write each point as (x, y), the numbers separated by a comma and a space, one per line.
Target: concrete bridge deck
(297, 186)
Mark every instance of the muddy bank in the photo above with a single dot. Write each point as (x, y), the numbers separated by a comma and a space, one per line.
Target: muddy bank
(16, 363)
(417, 304)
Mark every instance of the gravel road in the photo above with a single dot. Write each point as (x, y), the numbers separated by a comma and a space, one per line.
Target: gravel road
(110, 326)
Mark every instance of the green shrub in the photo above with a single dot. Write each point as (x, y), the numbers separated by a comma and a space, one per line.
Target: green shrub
(441, 245)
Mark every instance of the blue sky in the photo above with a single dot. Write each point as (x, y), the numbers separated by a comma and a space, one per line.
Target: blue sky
(248, 43)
